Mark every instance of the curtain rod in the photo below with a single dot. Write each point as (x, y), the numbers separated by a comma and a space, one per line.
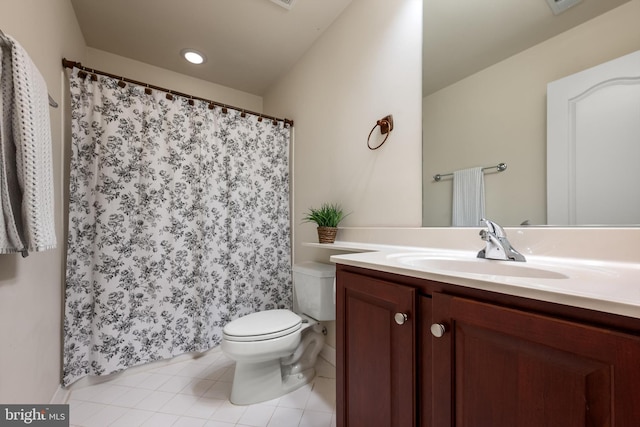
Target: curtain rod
(72, 64)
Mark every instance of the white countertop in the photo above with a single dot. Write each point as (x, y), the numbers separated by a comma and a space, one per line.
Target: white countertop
(608, 286)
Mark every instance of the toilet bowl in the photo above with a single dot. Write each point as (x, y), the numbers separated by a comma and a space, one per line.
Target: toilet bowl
(275, 350)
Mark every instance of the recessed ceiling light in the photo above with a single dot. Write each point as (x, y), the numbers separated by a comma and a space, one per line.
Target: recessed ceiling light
(193, 56)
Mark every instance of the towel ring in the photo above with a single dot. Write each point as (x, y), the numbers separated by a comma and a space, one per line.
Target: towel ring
(386, 126)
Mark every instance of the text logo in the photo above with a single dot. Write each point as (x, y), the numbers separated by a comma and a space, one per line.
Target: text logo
(34, 415)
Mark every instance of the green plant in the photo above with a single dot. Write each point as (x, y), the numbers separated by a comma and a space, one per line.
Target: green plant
(328, 215)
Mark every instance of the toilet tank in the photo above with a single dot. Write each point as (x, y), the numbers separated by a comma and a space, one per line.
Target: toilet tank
(314, 289)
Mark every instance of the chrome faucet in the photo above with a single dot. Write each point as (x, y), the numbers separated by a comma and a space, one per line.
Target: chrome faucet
(498, 247)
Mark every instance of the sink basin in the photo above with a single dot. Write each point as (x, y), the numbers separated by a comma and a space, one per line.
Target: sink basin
(478, 266)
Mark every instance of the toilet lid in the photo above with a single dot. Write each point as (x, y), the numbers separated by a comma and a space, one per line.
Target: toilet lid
(262, 325)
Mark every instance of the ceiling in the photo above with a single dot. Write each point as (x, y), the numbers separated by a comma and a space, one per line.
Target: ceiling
(464, 37)
(249, 44)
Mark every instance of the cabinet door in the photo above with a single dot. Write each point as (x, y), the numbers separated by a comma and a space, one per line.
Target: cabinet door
(375, 353)
(500, 367)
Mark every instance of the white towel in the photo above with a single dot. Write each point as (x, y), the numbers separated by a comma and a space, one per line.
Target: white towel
(468, 197)
(26, 171)
(10, 220)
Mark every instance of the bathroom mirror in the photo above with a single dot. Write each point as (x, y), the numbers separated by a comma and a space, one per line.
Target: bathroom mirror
(486, 67)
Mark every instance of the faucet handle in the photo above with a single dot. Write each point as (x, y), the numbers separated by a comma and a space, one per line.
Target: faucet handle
(494, 228)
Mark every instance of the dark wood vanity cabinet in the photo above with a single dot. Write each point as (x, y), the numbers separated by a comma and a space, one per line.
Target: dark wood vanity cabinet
(376, 363)
(496, 364)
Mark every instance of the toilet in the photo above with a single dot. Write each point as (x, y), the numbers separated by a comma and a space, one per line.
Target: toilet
(276, 350)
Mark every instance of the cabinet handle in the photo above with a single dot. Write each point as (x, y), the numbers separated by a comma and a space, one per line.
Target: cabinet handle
(438, 330)
(400, 318)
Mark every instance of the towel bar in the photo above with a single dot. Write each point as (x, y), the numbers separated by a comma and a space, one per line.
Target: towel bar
(500, 167)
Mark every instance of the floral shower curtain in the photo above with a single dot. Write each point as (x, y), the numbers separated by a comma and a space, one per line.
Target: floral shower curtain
(178, 223)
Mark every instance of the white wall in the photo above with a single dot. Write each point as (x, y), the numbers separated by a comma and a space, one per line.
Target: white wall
(31, 288)
(499, 115)
(365, 66)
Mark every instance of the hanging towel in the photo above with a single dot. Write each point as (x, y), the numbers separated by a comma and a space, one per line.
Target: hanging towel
(26, 170)
(10, 195)
(468, 197)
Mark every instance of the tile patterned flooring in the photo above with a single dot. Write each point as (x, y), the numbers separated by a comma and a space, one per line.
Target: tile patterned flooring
(195, 393)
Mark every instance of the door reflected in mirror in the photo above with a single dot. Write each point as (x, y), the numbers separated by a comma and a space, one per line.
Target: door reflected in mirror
(593, 147)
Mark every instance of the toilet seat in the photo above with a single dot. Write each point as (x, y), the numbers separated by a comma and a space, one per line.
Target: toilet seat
(261, 326)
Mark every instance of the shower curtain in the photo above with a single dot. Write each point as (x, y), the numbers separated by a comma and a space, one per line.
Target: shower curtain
(178, 223)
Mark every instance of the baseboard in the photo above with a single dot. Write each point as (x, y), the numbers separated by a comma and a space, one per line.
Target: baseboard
(60, 396)
(328, 353)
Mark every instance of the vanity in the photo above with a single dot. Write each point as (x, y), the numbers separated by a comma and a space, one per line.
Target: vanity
(437, 337)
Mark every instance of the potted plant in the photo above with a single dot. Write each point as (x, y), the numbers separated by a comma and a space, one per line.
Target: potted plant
(327, 218)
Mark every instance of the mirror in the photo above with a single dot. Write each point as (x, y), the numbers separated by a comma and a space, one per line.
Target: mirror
(486, 67)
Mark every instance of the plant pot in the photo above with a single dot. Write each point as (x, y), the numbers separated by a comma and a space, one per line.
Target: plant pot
(327, 234)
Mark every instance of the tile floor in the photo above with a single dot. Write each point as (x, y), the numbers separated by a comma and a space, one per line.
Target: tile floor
(195, 393)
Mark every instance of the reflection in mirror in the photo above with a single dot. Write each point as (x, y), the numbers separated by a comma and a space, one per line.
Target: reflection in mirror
(485, 75)
(592, 144)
